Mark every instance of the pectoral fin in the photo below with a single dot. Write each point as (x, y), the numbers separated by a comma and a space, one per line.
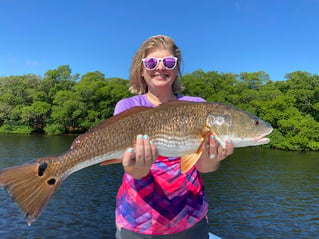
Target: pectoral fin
(189, 160)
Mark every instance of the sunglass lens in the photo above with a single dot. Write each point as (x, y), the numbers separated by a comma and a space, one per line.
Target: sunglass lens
(169, 62)
(150, 63)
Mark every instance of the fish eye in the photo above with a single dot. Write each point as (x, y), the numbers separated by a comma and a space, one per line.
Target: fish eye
(256, 122)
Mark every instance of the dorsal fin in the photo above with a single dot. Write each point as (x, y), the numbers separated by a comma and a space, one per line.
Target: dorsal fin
(124, 114)
(174, 102)
(109, 121)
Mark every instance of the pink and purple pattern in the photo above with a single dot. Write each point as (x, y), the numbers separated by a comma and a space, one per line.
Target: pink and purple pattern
(166, 201)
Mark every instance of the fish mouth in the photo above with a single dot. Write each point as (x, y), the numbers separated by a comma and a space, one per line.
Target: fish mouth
(262, 139)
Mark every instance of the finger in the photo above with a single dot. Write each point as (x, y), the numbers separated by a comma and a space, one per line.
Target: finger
(213, 145)
(128, 158)
(221, 153)
(148, 157)
(224, 152)
(154, 151)
(229, 147)
(139, 151)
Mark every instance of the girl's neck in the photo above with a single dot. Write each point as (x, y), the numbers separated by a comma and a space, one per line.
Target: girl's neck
(157, 99)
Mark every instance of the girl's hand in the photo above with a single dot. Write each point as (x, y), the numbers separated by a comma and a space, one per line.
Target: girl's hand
(137, 162)
(212, 154)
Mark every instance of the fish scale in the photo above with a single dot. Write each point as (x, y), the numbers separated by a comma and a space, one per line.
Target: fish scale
(178, 129)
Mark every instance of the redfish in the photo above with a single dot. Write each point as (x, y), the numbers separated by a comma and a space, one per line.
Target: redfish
(178, 129)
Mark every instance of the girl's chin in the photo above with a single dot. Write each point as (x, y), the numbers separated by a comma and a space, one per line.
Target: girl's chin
(162, 83)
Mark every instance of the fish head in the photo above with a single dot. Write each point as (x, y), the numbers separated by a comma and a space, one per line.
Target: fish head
(243, 128)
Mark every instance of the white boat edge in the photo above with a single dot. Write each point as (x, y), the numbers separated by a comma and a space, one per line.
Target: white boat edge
(212, 236)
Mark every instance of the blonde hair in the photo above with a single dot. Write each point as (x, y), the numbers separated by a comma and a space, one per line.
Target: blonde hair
(138, 84)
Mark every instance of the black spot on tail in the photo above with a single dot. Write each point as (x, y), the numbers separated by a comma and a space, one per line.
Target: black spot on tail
(42, 168)
(51, 181)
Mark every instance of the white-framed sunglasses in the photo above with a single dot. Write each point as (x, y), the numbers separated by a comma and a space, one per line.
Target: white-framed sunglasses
(169, 62)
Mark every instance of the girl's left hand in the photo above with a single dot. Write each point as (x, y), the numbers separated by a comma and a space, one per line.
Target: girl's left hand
(215, 150)
(212, 154)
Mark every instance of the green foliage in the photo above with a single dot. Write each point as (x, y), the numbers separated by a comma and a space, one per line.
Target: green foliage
(35, 115)
(62, 102)
(59, 103)
(54, 129)
(15, 129)
(211, 86)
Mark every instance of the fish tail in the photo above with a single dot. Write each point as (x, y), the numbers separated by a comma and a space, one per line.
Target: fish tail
(31, 187)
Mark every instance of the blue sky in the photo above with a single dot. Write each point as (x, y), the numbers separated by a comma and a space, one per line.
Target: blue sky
(276, 36)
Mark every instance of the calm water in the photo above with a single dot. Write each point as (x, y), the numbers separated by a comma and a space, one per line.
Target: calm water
(256, 193)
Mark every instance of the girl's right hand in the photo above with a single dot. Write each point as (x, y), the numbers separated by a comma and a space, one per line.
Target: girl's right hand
(137, 162)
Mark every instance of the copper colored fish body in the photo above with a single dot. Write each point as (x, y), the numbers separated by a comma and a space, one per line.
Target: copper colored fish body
(178, 129)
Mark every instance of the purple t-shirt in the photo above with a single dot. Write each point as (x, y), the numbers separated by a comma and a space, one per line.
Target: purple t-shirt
(141, 100)
(166, 201)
